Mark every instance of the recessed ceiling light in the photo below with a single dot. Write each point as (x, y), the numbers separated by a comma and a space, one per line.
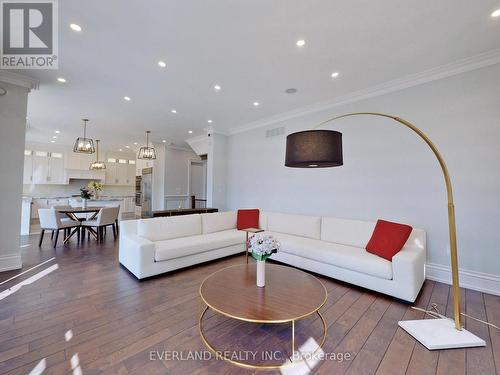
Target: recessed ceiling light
(162, 64)
(127, 98)
(52, 141)
(135, 143)
(256, 104)
(173, 111)
(217, 87)
(164, 141)
(127, 146)
(54, 136)
(335, 74)
(61, 79)
(190, 131)
(75, 27)
(496, 13)
(301, 43)
(57, 131)
(120, 149)
(209, 121)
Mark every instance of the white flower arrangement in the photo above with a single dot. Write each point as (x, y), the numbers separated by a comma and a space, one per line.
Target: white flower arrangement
(263, 246)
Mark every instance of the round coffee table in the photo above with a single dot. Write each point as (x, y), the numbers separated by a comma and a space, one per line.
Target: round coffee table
(289, 295)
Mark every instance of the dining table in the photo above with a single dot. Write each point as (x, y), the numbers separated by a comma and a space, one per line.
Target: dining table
(72, 214)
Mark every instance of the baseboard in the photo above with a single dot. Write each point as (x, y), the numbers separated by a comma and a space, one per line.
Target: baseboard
(482, 282)
(10, 262)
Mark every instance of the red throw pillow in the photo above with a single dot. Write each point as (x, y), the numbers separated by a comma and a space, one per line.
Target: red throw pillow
(388, 239)
(248, 219)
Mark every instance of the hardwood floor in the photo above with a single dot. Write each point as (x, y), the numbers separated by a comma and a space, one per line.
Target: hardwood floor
(118, 323)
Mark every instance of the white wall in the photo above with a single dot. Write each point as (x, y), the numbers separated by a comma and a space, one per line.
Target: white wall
(388, 171)
(12, 133)
(217, 168)
(177, 162)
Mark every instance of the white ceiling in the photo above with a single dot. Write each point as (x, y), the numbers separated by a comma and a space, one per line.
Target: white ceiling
(248, 47)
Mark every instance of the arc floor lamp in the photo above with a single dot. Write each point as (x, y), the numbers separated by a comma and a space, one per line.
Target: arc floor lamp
(323, 148)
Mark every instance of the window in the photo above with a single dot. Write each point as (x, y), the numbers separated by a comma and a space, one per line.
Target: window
(132, 162)
(111, 160)
(56, 155)
(122, 161)
(28, 152)
(41, 153)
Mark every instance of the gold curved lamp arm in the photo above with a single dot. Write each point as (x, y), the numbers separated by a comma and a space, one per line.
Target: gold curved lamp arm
(451, 208)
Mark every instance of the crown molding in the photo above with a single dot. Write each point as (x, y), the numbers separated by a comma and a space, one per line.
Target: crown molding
(197, 138)
(20, 80)
(178, 148)
(458, 67)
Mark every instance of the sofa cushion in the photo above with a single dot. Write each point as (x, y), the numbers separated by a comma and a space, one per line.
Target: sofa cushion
(346, 232)
(388, 239)
(165, 228)
(298, 225)
(348, 257)
(218, 221)
(263, 220)
(180, 247)
(248, 218)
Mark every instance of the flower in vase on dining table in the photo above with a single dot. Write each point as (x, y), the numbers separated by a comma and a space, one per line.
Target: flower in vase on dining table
(95, 187)
(262, 247)
(85, 193)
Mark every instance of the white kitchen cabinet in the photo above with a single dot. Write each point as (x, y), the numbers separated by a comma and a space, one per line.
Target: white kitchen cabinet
(48, 168)
(111, 178)
(38, 203)
(51, 202)
(79, 161)
(28, 168)
(40, 167)
(142, 164)
(131, 174)
(128, 204)
(56, 169)
(119, 172)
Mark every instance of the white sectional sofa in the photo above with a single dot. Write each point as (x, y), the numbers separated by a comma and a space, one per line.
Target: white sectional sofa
(336, 248)
(152, 246)
(325, 245)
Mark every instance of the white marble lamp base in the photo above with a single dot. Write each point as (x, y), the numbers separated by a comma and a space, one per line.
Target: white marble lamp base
(440, 334)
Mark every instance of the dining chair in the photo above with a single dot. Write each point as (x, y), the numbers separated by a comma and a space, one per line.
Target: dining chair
(64, 218)
(107, 216)
(50, 220)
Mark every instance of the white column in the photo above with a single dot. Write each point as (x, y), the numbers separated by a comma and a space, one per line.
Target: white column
(14, 91)
(217, 171)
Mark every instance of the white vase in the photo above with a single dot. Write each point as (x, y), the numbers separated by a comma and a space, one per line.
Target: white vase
(84, 204)
(261, 273)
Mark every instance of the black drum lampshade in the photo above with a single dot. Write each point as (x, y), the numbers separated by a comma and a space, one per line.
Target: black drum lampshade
(314, 149)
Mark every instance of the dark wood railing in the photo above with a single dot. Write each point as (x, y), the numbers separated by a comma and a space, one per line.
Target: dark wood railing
(194, 200)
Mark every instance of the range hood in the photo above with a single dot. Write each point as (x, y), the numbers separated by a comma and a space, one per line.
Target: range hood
(80, 174)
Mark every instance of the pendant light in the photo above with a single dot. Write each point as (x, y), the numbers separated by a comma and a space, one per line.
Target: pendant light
(146, 152)
(83, 144)
(97, 165)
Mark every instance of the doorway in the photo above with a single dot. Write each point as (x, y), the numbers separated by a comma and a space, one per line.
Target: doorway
(198, 182)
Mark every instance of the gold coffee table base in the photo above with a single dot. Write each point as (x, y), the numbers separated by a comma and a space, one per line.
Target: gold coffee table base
(262, 367)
